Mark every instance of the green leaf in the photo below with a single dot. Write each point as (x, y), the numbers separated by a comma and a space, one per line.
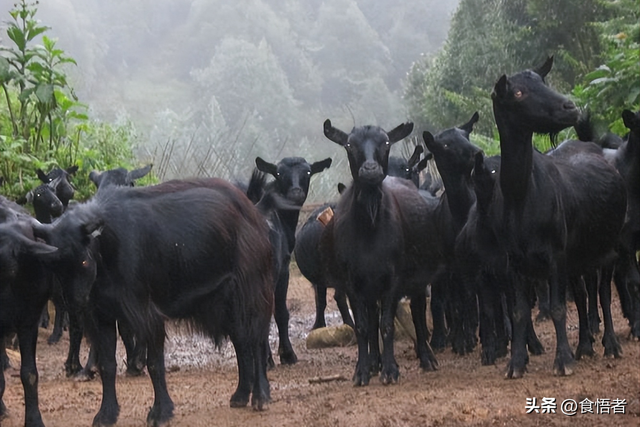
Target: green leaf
(633, 96)
(25, 94)
(5, 71)
(34, 32)
(44, 93)
(599, 73)
(17, 36)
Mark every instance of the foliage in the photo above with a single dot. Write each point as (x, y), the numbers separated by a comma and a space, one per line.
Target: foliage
(444, 89)
(42, 124)
(615, 84)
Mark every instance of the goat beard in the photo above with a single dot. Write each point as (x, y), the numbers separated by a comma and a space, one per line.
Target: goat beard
(371, 198)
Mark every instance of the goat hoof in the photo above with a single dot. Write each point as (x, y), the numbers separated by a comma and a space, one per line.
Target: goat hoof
(390, 375)
(563, 366)
(584, 350)
(612, 347)
(54, 339)
(288, 357)
(361, 378)
(515, 370)
(488, 357)
(260, 403)
(239, 400)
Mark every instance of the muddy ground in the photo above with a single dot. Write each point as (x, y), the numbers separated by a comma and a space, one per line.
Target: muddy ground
(201, 380)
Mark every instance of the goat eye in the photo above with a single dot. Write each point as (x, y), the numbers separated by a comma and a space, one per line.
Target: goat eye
(85, 263)
(386, 142)
(308, 172)
(518, 94)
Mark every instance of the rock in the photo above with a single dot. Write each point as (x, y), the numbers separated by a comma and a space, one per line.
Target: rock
(404, 322)
(14, 358)
(333, 336)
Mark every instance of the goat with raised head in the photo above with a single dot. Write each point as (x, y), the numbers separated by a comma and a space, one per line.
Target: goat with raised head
(549, 218)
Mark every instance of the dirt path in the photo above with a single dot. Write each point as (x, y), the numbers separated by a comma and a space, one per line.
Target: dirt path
(462, 392)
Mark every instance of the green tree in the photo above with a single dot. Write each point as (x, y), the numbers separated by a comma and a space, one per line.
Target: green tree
(444, 89)
(615, 83)
(42, 124)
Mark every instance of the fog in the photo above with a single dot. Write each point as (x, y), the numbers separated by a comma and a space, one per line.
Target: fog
(211, 84)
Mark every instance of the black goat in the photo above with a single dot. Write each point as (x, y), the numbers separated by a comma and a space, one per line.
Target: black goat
(454, 156)
(625, 270)
(196, 250)
(408, 168)
(25, 287)
(46, 205)
(58, 179)
(120, 177)
(307, 253)
(292, 178)
(374, 249)
(549, 218)
(309, 261)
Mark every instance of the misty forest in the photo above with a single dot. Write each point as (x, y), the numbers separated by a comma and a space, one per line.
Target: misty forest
(202, 87)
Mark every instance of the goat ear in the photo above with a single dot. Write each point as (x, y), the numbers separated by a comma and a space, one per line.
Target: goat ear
(38, 248)
(41, 176)
(139, 173)
(72, 169)
(415, 157)
(27, 198)
(500, 89)
(40, 230)
(321, 165)
(478, 167)
(468, 127)
(266, 167)
(334, 134)
(423, 163)
(95, 177)
(429, 140)
(629, 119)
(544, 69)
(400, 132)
(341, 188)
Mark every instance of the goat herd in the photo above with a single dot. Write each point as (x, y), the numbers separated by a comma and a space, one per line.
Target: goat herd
(503, 232)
